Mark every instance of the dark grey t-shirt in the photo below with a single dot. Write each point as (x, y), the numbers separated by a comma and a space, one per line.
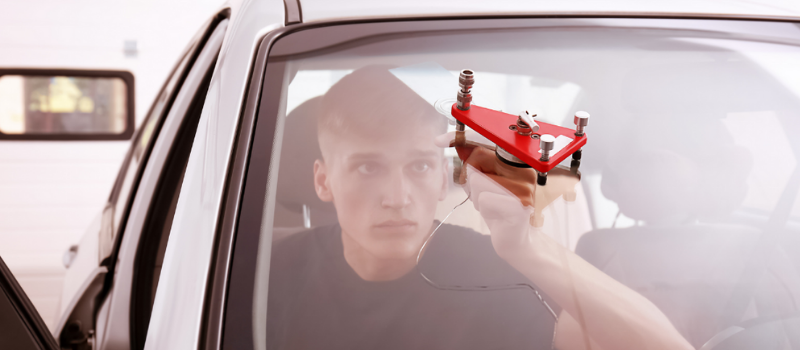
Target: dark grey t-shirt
(316, 301)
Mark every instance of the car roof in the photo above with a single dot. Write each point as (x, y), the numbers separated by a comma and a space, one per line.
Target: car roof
(328, 10)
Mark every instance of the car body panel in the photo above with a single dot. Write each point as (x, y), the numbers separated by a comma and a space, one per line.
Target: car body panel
(82, 307)
(326, 10)
(81, 267)
(179, 303)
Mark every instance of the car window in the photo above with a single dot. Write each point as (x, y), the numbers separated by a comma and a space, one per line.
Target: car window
(686, 193)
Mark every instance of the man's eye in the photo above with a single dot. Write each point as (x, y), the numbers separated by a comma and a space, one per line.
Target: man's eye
(420, 167)
(368, 169)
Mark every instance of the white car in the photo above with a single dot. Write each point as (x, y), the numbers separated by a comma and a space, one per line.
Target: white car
(686, 196)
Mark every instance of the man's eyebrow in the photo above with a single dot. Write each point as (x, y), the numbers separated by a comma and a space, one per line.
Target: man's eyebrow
(362, 156)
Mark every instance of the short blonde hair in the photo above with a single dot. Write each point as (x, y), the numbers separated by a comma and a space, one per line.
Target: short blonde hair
(368, 99)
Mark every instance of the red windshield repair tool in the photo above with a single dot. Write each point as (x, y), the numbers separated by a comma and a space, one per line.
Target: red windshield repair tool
(521, 142)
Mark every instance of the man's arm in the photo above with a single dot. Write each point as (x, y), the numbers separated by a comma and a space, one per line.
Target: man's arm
(601, 310)
(570, 336)
(596, 308)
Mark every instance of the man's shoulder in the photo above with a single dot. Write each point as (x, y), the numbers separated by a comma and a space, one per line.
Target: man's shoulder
(295, 246)
(455, 240)
(460, 255)
(456, 232)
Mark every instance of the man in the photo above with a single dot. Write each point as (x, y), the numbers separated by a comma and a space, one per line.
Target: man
(354, 285)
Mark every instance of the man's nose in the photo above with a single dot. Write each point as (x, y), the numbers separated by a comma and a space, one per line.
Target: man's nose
(397, 193)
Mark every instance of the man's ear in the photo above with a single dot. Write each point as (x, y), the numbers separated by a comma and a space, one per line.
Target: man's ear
(445, 179)
(321, 185)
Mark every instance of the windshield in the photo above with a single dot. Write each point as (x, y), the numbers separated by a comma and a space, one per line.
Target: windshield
(679, 225)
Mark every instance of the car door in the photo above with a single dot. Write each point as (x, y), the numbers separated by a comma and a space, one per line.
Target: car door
(112, 310)
(21, 327)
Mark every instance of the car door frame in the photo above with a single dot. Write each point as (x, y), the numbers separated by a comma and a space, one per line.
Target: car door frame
(26, 313)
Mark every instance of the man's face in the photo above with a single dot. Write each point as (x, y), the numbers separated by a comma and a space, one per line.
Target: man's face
(385, 186)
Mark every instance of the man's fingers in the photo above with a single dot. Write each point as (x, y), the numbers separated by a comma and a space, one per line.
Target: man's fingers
(479, 182)
(486, 161)
(483, 160)
(445, 140)
(507, 219)
(524, 192)
(473, 138)
(464, 152)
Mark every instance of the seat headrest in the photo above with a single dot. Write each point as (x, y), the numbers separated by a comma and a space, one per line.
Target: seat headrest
(658, 185)
(296, 173)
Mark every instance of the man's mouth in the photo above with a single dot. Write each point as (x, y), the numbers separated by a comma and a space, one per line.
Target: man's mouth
(396, 224)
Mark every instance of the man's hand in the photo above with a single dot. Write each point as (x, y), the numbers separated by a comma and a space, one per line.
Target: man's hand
(602, 313)
(509, 199)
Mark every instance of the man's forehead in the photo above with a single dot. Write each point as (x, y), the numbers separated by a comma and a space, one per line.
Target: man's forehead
(382, 129)
(396, 146)
(409, 136)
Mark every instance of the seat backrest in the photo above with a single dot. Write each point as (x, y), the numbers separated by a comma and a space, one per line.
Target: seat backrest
(765, 333)
(688, 271)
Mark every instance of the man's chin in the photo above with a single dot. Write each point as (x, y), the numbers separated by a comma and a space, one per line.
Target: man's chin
(395, 250)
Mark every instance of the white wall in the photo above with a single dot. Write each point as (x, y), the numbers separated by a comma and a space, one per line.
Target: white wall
(50, 191)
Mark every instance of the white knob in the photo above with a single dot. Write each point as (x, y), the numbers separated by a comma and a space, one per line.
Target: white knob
(581, 121)
(528, 119)
(546, 143)
(582, 118)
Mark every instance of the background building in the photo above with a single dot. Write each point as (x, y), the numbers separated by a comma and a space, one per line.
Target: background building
(51, 191)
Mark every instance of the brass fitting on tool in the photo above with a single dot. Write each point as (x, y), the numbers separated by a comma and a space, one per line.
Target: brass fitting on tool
(465, 81)
(463, 102)
(461, 137)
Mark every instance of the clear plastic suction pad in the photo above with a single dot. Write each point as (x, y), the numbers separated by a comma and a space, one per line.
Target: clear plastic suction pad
(444, 106)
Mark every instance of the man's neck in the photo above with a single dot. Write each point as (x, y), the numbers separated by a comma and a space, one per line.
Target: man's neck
(370, 267)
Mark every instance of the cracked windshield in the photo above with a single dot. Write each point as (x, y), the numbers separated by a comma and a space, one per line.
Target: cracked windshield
(570, 186)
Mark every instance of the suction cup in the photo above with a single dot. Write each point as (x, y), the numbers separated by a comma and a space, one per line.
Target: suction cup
(444, 106)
